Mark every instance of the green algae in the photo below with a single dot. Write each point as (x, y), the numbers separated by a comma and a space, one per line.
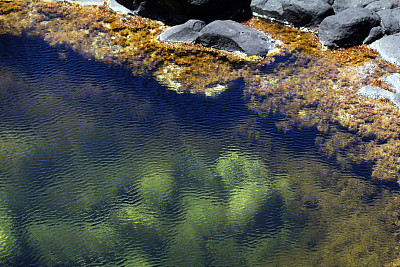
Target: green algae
(235, 168)
(59, 242)
(9, 247)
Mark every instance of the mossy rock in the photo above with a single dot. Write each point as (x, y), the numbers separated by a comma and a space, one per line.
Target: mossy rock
(59, 242)
(156, 187)
(136, 257)
(139, 218)
(245, 202)
(185, 247)
(9, 248)
(225, 252)
(15, 148)
(85, 187)
(206, 214)
(235, 168)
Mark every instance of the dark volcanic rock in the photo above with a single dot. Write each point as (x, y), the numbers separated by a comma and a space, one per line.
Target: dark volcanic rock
(297, 12)
(382, 5)
(374, 34)
(390, 20)
(347, 28)
(179, 11)
(340, 5)
(185, 33)
(233, 36)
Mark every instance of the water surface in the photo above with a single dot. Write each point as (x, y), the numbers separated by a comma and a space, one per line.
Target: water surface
(100, 167)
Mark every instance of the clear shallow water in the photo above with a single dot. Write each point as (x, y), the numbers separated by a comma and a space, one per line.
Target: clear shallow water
(99, 167)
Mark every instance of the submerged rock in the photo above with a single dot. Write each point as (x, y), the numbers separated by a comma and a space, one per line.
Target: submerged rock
(9, 248)
(348, 28)
(187, 32)
(296, 12)
(374, 92)
(232, 36)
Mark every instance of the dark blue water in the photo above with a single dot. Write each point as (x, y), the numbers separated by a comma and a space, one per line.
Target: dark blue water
(101, 167)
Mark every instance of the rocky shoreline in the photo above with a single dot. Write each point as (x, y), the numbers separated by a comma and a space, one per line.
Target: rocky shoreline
(338, 23)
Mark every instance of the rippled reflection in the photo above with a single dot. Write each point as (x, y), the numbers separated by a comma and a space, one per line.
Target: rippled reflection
(101, 168)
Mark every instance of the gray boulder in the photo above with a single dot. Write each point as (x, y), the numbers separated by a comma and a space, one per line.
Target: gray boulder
(179, 11)
(184, 33)
(348, 28)
(232, 36)
(382, 5)
(297, 12)
(340, 5)
(390, 20)
(389, 48)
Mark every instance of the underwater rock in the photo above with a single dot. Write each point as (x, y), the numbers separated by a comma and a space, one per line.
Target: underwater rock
(235, 168)
(393, 81)
(297, 12)
(185, 247)
(206, 214)
(374, 92)
(72, 244)
(232, 36)
(389, 48)
(179, 11)
(390, 20)
(347, 28)
(245, 202)
(9, 248)
(156, 187)
(184, 33)
(138, 217)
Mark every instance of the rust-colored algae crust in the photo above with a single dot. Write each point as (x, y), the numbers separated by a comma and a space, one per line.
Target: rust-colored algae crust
(317, 89)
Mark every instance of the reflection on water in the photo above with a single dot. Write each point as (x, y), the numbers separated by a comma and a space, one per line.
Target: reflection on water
(102, 168)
